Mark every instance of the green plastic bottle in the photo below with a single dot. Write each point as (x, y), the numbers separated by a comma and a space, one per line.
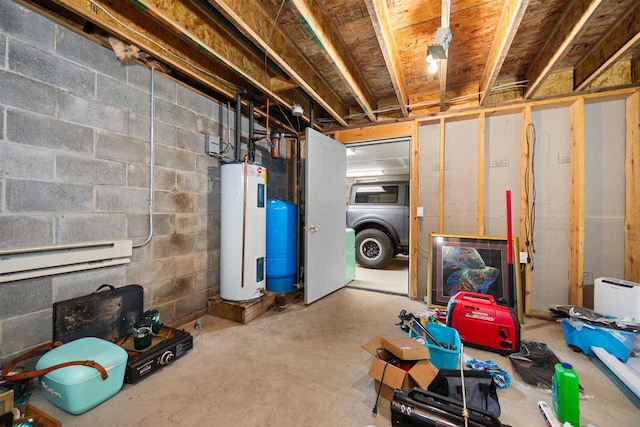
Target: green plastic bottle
(566, 394)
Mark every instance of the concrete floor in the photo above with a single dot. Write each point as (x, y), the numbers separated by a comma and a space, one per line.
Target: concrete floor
(303, 366)
(394, 278)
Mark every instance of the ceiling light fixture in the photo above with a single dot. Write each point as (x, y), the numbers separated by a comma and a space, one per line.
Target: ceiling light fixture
(375, 172)
(440, 44)
(433, 67)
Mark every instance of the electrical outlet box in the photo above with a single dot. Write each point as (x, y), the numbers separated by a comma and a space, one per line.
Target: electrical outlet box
(211, 144)
(420, 212)
(587, 278)
(523, 257)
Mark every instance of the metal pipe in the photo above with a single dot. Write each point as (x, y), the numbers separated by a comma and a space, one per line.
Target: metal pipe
(251, 146)
(311, 114)
(239, 94)
(152, 113)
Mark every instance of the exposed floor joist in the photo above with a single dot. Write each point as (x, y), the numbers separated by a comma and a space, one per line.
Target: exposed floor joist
(262, 30)
(195, 25)
(616, 44)
(635, 67)
(559, 43)
(319, 28)
(445, 15)
(379, 13)
(510, 19)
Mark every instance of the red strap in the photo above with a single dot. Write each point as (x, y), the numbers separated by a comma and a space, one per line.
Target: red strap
(32, 374)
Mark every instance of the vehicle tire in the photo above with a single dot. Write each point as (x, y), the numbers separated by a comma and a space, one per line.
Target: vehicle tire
(374, 248)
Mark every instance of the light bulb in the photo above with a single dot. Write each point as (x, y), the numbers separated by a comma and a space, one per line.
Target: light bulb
(433, 67)
(429, 59)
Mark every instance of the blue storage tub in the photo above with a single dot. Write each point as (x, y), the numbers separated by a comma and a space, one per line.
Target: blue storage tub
(442, 358)
(583, 335)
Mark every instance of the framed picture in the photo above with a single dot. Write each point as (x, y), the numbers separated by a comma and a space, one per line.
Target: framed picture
(474, 264)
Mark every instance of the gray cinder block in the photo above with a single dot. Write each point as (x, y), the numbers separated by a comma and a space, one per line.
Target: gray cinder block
(184, 265)
(39, 325)
(38, 196)
(24, 24)
(174, 158)
(172, 290)
(88, 170)
(86, 52)
(121, 96)
(121, 199)
(120, 147)
(21, 230)
(172, 202)
(192, 306)
(46, 67)
(139, 77)
(191, 141)
(24, 93)
(138, 176)
(23, 161)
(12, 297)
(175, 115)
(163, 270)
(89, 228)
(174, 245)
(43, 131)
(139, 273)
(186, 181)
(82, 110)
(194, 101)
(138, 225)
(186, 223)
(72, 285)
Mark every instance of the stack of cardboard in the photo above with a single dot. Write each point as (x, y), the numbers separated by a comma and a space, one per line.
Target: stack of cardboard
(388, 375)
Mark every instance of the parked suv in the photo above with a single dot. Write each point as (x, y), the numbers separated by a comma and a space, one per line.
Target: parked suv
(379, 214)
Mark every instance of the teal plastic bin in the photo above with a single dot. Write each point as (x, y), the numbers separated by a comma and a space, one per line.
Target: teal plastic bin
(350, 264)
(76, 389)
(442, 358)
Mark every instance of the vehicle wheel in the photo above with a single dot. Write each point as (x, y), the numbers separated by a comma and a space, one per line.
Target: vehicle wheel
(374, 248)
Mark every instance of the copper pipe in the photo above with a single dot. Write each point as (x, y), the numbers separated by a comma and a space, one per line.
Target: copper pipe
(244, 218)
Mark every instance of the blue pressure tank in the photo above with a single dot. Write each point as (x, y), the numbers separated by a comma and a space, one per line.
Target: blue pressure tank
(281, 245)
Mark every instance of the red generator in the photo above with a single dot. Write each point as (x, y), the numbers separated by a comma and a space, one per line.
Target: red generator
(483, 323)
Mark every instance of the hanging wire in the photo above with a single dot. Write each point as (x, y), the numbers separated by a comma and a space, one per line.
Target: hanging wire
(530, 194)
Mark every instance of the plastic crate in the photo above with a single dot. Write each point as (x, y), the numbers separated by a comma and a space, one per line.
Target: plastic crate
(583, 335)
(442, 358)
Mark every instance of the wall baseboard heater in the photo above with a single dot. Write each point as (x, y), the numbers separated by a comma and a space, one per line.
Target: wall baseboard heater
(26, 263)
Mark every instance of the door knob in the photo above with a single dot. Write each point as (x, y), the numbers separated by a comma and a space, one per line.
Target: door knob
(313, 228)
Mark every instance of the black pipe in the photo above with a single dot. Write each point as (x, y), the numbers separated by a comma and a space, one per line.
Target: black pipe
(300, 203)
(311, 114)
(239, 94)
(251, 146)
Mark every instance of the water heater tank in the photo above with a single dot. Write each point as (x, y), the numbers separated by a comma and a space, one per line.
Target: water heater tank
(242, 231)
(281, 245)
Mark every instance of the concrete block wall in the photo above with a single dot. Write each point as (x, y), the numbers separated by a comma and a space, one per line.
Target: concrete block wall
(74, 167)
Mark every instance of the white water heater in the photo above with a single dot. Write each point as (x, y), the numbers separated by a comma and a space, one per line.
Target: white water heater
(243, 222)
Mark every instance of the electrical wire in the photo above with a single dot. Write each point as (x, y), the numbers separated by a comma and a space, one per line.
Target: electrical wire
(530, 194)
(150, 40)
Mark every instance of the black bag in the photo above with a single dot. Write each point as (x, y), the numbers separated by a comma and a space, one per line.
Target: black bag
(421, 408)
(480, 389)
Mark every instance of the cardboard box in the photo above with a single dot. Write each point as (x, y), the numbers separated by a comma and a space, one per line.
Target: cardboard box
(391, 377)
(405, 348)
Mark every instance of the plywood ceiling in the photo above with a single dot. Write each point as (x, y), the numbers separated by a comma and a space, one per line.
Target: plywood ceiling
(363, 61)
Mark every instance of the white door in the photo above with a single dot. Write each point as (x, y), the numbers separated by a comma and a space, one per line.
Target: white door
(325, 216)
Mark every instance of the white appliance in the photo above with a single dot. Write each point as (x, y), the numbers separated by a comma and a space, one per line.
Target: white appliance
(617, 297)
(243, 221)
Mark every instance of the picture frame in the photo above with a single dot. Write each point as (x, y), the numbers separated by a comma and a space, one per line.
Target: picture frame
(475, 264)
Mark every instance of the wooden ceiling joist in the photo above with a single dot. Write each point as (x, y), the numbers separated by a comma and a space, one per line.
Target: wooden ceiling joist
(510, 19)
(616, 44)
(379, 14)
(261, 29)
(119, 20)
(319, 27)
(635, 68)
(445, 17)
(194, 24)
(572, 22)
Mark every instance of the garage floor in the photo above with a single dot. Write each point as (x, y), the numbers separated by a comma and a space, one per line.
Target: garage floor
(303, 366)
(394, 278)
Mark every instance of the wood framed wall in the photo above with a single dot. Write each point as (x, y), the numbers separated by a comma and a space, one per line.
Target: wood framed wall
(410, 127)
